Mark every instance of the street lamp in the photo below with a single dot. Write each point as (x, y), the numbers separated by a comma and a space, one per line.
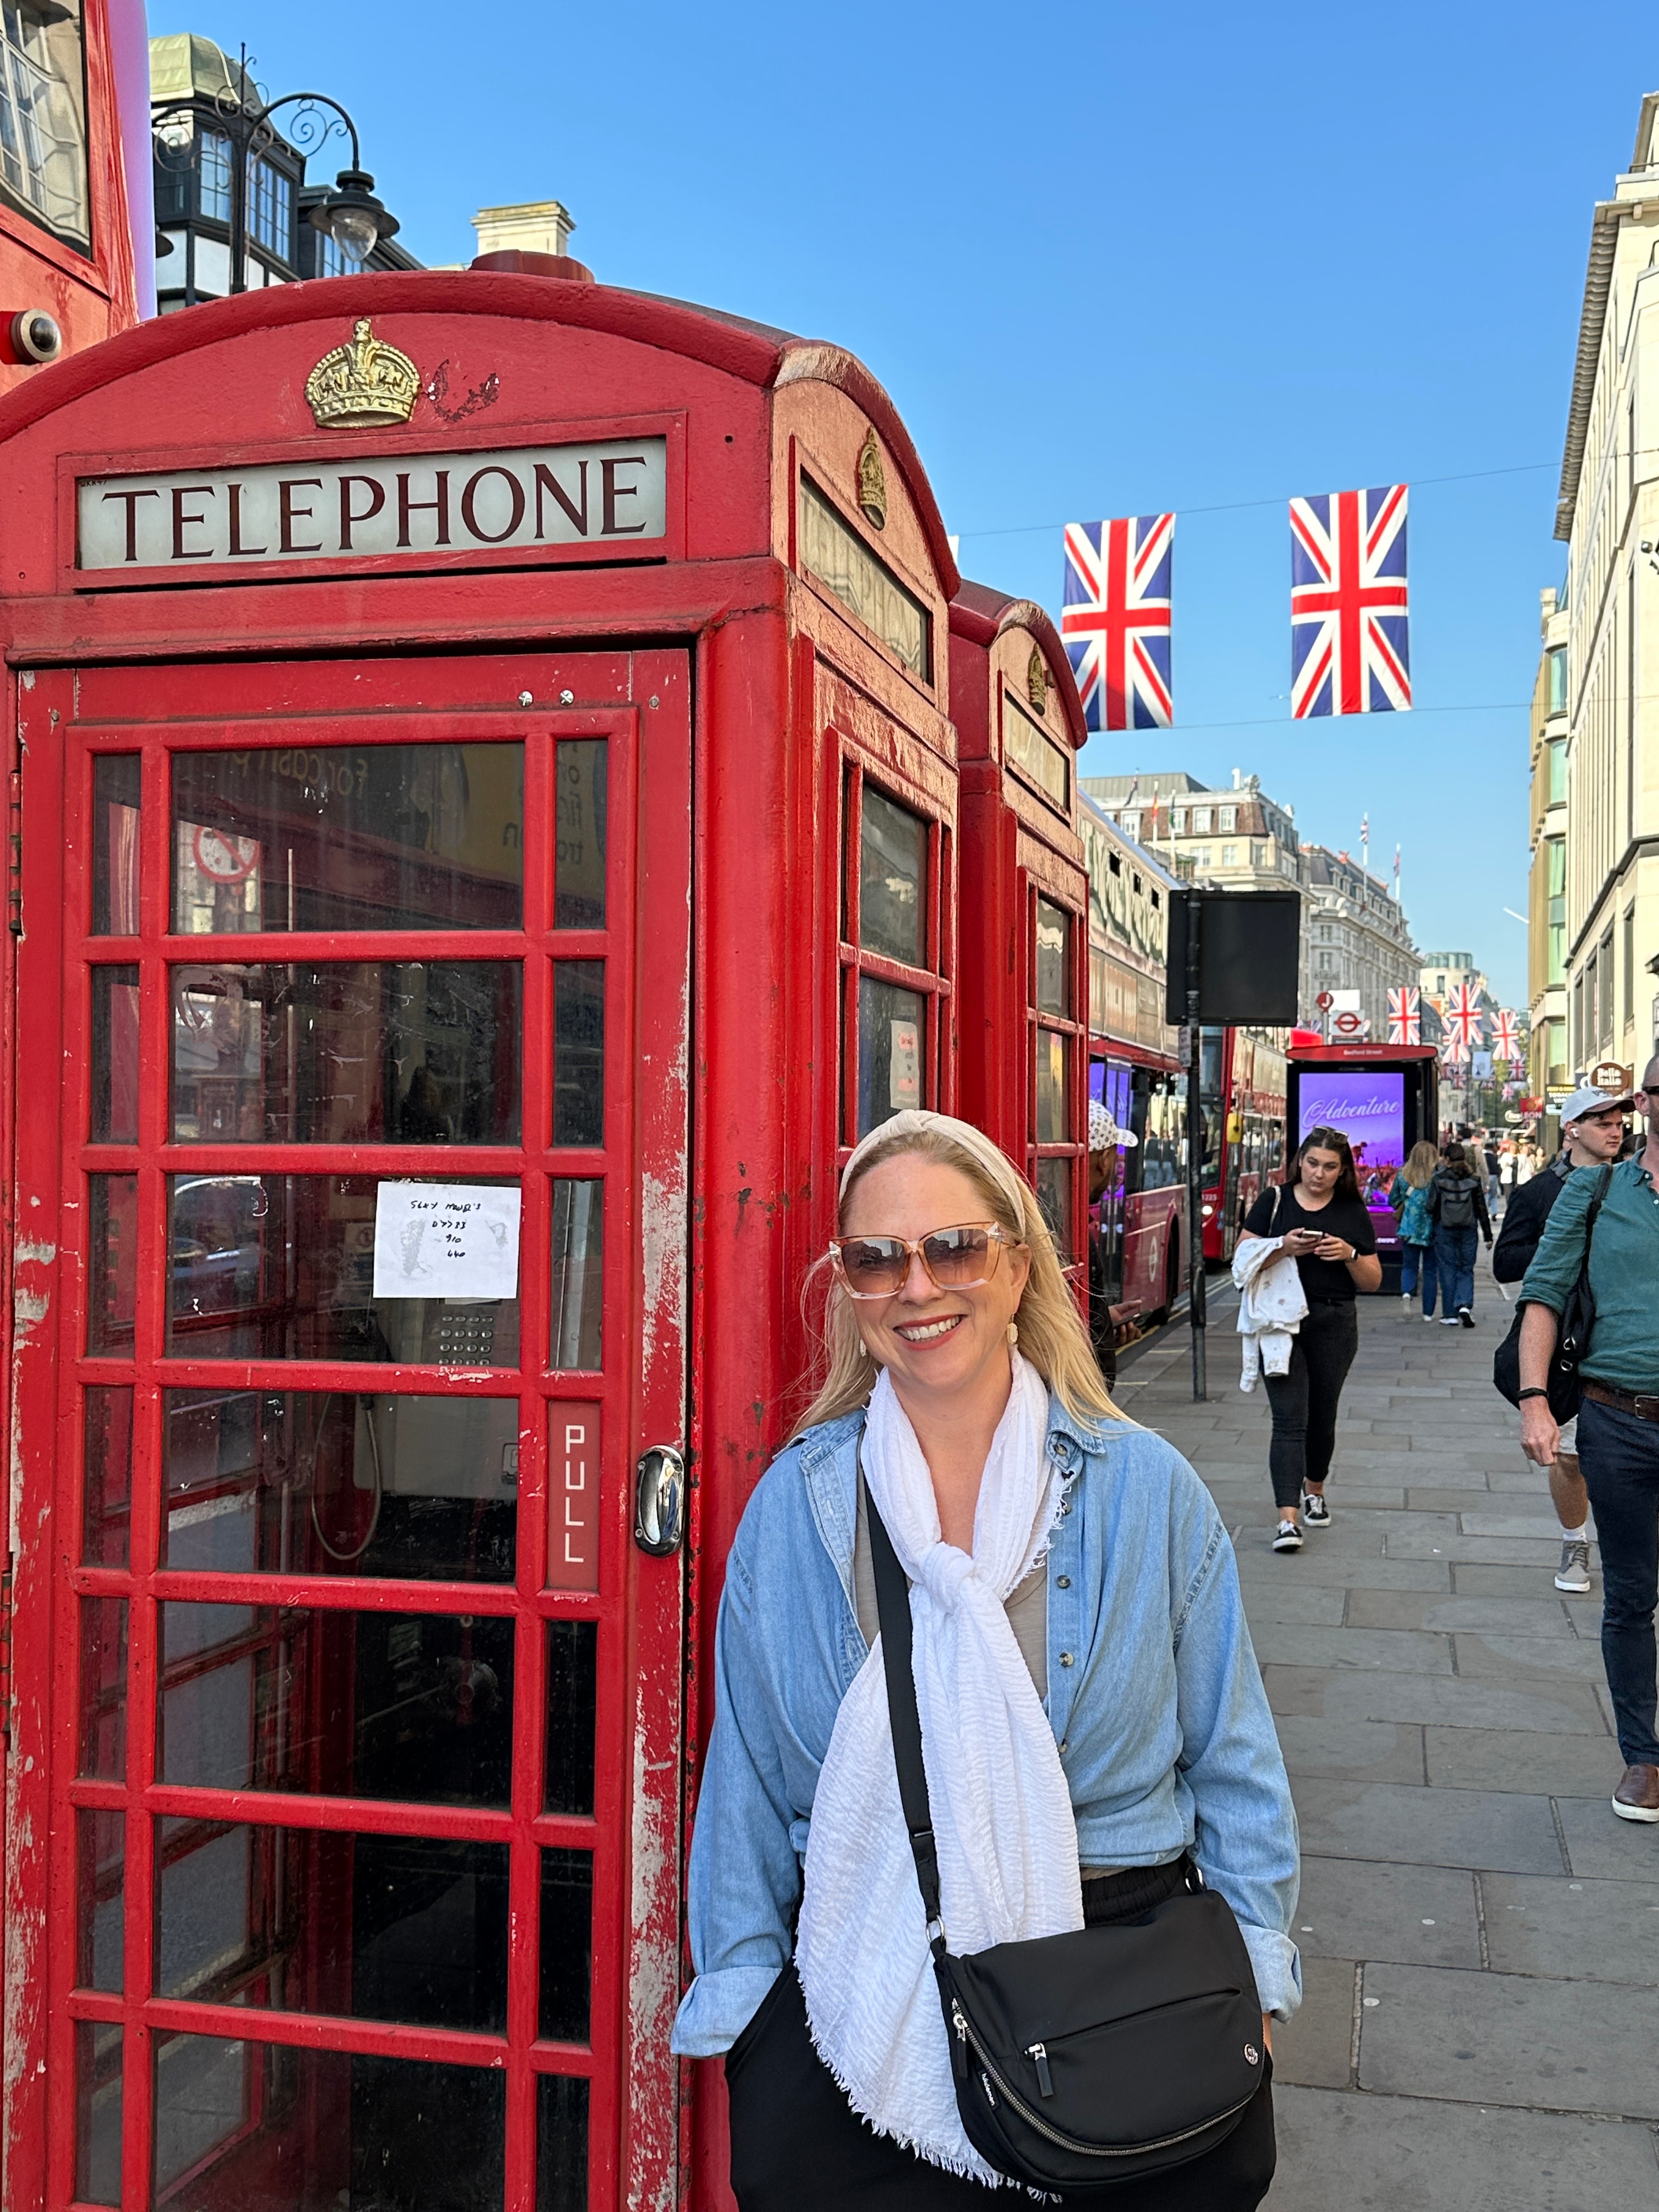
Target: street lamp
(349, 212)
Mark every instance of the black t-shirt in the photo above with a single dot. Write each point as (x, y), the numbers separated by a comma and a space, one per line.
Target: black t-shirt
(1345, 1218)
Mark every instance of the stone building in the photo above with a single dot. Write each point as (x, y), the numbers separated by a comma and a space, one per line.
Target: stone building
(1357, 938)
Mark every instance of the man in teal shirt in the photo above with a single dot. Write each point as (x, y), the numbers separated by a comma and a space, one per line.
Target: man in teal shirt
(1618, 1422)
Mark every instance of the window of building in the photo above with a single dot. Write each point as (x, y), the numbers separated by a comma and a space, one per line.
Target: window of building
(1201, 857)
(43, 117)
(214, 157)
(331, 262)
(1558, 680)
(1201, 820)
(1258, 856)
(1055, 1156)
(1178, 821)
(1557, 785)
(892, 956)
(1114, 863)
(1229, 856)
(271, 208)
(1630, 965)
(1556, 881)
(1604, 1027)
(1229, 818)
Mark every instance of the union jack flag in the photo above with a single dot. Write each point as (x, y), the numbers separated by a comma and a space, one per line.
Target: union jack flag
(1405, 1016)
(1464, 1017)
(1350, 649)
(1452, 1051)
(1115, 620)
(1505, 1035)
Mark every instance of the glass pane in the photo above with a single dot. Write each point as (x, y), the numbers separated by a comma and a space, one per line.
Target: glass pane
(410, 1053)
(288, 2130)
(104, 1688)
(361, 1705)
(1053, 968)
(1053, 1190)
(333, 1482)
(578, 865)
(283, 1268)
(97, 2112)
(114, 1056)
(843, 562)
(101, 1860)
(578, 1274)
(571, 1680)
(893, 881)
(561, 2142)
(113, 1267)
(106, 1514)
(566, 1945)
(401, 1927)
(349, 837)
(579, 1052)
(1053, 1057)
(115, 787)
(891, 1033)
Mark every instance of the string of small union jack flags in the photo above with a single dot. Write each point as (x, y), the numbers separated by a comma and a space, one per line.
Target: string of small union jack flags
(1464, 1020)
(1350, 620)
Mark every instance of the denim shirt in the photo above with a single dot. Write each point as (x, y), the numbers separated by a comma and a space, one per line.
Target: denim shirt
(1154, 1697)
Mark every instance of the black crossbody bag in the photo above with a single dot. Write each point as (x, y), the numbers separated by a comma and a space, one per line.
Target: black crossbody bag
(1561, 1377)
(1087, 2059)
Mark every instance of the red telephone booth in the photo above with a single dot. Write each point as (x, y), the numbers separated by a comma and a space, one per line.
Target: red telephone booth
(1023, 1035)
(487, 844)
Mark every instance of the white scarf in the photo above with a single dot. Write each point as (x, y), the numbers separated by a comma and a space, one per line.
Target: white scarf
(1002, 1812)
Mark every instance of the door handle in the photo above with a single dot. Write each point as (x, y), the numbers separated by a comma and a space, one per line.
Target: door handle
(660, 1501)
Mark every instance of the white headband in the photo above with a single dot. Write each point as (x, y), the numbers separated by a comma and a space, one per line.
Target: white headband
(914, 1122)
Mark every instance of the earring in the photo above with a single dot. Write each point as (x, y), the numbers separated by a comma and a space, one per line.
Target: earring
(1013, 1332)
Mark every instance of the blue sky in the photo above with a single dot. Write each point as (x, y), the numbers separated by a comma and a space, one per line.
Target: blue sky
(1109, 261)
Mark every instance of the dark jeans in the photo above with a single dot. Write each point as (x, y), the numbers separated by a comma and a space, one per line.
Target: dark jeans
(1620, 1459)
(1305, 1400)
(1454, 1255)
(1415, 1260)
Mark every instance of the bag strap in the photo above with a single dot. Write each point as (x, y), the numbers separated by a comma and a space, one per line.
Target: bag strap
(893, 1610)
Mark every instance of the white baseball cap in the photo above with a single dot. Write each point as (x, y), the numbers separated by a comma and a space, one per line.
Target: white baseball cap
(1103, 1132)
(1588, 1100)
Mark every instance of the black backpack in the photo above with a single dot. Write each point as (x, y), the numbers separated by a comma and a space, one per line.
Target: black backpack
(1457, 1202)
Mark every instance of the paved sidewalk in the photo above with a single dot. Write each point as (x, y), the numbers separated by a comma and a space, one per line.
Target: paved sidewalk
(1479, 1934)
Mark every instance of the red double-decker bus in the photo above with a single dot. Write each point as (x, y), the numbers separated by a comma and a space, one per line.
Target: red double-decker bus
(1241, 1091)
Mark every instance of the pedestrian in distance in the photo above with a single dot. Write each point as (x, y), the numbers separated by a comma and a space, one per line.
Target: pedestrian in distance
(1494, 1178)
(1592, 1129)
(1321, 1221)
(1617, 1247)
(1457, 1203)
(1408, 1196)
(1107, 1320)
(1087, 1693)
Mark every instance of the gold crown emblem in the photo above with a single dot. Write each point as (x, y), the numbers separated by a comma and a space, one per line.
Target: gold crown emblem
(363, 381)
(1036, 681)
(872, 482)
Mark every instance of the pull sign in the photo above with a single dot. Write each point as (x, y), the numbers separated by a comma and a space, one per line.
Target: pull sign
(572, 1497)
(660, 1501)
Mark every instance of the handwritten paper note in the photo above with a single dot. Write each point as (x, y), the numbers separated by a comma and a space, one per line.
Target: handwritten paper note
(445, 1240)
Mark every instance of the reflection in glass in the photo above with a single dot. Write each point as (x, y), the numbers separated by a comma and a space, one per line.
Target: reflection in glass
(561, 2142)
(1053, 1190)
(579, 1052)
(893, 881)
(99, 1864)
(113, 1262)
(114, 1056)
(578, 865)
(891, 1032)
(349, 837)
(410, 1929)
(283, 1268)
(1054, 968)
(1053, 1056)
(566, 1945)
(335, 1482)
(104, 1688)
(572, 1691)
(107, 1494)
(97, 2112)
(378, 1052)
(359, 1704)
(578, 1258)
(115, 787)
(277, 2129)
(43, 118)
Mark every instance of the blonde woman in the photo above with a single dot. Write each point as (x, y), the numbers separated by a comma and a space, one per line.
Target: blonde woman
(1091, 1711)
(1409, 1197)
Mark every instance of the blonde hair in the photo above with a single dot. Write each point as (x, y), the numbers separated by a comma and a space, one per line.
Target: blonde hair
(1419, 1169)
(1052, 1335)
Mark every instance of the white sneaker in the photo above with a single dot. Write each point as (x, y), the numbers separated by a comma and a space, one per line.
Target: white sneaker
(1406, 1297)
(1574, 1575)
(1289, 1538)
(1450, 1321)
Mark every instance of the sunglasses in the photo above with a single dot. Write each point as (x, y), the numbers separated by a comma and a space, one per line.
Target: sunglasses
(953, 1259)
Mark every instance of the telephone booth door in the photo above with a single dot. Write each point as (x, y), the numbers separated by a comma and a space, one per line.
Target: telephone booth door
(356, 1276)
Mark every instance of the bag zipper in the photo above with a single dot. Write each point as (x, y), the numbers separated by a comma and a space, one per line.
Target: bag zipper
(965, 2035)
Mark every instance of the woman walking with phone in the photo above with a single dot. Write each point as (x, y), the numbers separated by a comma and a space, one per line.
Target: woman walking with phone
(1319, 1221)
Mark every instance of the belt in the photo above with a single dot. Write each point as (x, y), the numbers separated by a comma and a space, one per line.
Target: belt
(1644, 1404)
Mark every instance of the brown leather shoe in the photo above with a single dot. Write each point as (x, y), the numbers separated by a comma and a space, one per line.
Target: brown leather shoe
(1637, 1797)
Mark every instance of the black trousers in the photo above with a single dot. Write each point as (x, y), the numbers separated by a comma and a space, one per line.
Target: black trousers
(1305, 1400)
(798, 2146)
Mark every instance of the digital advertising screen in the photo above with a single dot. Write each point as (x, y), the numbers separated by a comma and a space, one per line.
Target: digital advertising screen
(1369, 1107)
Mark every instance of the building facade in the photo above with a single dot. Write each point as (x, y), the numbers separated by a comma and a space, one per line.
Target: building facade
(1238, 839)
(1608, 514)
(1549, 1064)
(1356, 937)
(1129, 891)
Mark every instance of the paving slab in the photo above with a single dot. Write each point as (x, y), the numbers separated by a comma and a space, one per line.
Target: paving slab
(1257, 1571)
(1566, 1930)
(1418, 1916)
(1314, 2046)
(1319, 1605)
(1291, 1644)
(1507, 1658)
(1426, 1826)
(1531, 1615)
(1495, 2038)
(1491, 1551)
(1528, 1760)
(1602, 1846)
(1470, 1578)
(1566, 1708)
(1338, 2152)
(1354, 1750)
